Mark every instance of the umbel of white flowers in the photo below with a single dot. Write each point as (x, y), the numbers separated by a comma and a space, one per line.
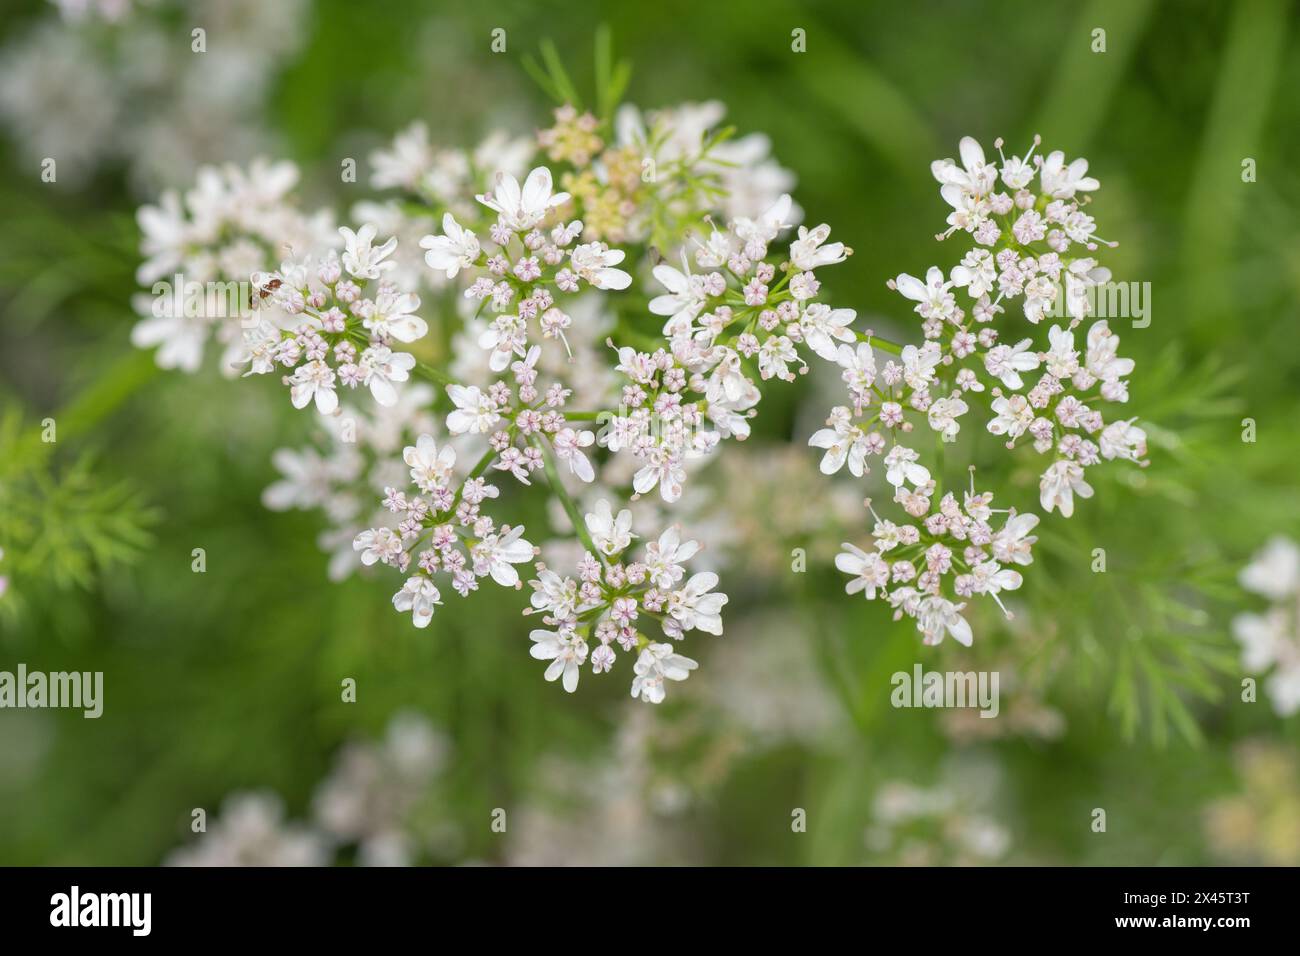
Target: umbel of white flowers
(530, 278)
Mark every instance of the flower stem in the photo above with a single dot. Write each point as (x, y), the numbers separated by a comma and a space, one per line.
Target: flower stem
(433, 375)
(570, 506)
(883, 344)
(938, 466)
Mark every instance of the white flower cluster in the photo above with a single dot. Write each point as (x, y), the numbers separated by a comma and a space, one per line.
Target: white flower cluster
(355, 457)
(954, 550)
(106, 84)
(341, 309)
(441, 524)
(234, 223)
(526, 263)
(445, 176)
(726, 326)
(602, 606)
(1032, 244)
(370, 810)
(1272, 640)
(525, 283)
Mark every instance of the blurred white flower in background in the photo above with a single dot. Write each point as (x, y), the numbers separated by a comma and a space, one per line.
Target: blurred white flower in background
(369, 797)
(111, 83)
(949, 824)
(370, 803)
(1272, 639)
(251, 831)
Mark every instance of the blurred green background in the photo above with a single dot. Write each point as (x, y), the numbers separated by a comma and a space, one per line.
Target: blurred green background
(1127, 684)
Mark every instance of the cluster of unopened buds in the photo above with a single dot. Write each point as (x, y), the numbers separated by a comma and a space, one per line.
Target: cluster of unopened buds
(742, 304)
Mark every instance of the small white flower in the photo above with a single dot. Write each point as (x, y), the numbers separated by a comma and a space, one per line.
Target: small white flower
(1275, 571)
(521, 210)
(1123, 440)
(774, 356)
(1012, 544)
(1014, 415)
(595, 261)
(261, 344)
(936, 616)
(919, 364)
(475, 410)
(180, 338)
(392, 316)
(382, 367)
(377, 544)
(664, 470)
(932, 296)
(1272, 639)
(430, 466)
(1006, 362)
(685, 297)
(564, 649)
(665, 557)
(694, 608)
(808, 252)
(992, 578)
(728, 382)
(505, 338)
(554, 594)
(314, 380)
(1060, 483)
(902, 466)
(859, 364)
(1081, 277)
(457, 249)
(770, 224)
(657, 663)
(1062, 360)
(974, 175)
(496, 555)
(1102, 360)
(823, 327)
(419, 596)
(977, 273)
(843, 441)
(402, 165)
(362, 259)
(568, 448)
(610, 534)
(943, 415)
(870, 571)
(1061, 181)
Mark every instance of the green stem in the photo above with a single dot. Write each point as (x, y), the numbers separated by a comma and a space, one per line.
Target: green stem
(122, 380)
(570, 506)
(883, 344)
(938, 466)
(433, 375)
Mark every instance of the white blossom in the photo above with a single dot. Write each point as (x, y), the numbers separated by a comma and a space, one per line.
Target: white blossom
(458, 248)
(610, 533)
(522, 209)
(419, 596)
(656, 664)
